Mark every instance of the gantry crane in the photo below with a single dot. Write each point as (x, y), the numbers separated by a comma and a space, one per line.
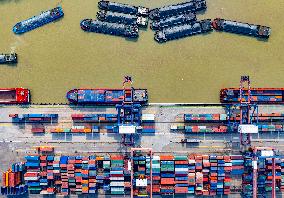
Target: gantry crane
(129, 113)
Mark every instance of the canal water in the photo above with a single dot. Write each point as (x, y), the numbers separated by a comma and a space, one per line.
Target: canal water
(60, 56)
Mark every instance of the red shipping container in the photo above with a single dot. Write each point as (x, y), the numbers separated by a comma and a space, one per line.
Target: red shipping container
(167, 180)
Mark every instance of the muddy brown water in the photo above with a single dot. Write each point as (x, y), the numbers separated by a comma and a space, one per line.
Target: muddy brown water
(60, 56)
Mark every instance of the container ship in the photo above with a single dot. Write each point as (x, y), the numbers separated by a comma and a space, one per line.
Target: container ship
(106, 96)
(241, 28)
(8, 58)
(128, 31)
(258, 95)
(123, 8)
(181, 31)
(14, 96)
(115, 17)
(173, 21)
(39, 20)
(177, 9)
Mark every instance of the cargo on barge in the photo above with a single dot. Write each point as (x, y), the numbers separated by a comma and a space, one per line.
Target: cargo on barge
(39, 20)
(8, 58)
(177, 9)
(14, 96)
(181, 31)
(257, 95)
(128, 31)
(115, 17)
(105, 96)
(173, 21)
(241, 28)
(123, 8)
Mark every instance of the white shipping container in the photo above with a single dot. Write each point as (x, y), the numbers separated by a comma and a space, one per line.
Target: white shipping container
(181, 169)
(117, 178)
(173, 127)
(247, 128)
(150, 117)
(117, 183)
(31, 178)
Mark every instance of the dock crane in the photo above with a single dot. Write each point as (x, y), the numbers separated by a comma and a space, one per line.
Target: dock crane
(129, 113)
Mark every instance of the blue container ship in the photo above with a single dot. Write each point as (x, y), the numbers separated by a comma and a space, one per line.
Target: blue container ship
(8, 58)
(106, 96)
(128, 31)
(177, 9)
(176, 32)
(173, 21)
(116, 17)
(123, 8)
(38, 21)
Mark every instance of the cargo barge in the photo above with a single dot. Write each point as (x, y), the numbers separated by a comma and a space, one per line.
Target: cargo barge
(177, 9)
(241, 28)
(181, 31)
(8, 58)
(128, 31)
(173, 21)
(123, 8)
(258, 95)
(14, 96)
(114, 17)
(38, 21)
(105, 96)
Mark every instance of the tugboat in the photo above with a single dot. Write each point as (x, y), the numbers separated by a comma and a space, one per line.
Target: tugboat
(115, 17)
(241, 28)
(39, 20)
(185, 30)
(105, 96)
(128, 31)
(123, 8)
(177, 9)
(173, 21)
(258, 95)
(8, 58)
(14, 96)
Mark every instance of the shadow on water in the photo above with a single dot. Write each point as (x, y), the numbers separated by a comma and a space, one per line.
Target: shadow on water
(131, 39)
(242, 35)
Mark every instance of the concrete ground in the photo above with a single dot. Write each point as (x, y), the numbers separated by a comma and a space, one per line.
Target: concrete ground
(16, 140)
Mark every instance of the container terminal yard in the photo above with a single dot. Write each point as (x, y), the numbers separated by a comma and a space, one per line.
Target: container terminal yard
(132, 148)
(113, 142)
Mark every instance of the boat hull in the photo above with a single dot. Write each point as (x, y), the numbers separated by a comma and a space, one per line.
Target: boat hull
(258, 95)
(14, 96)
(38, 21)
(104, 96)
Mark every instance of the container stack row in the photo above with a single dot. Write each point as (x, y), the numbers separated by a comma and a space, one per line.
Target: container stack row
(171, 174)
(148, 123)
(34, 118)
(12, 180)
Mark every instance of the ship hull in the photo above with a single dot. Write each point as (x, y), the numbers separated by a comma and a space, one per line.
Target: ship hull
(14, 96)
(104, 96)
(258, 95)
(38, 21)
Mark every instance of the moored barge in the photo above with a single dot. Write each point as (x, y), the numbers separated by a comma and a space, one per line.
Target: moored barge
(39, 20)
(105, 96)
(123, 8)
(115, 17)
(128, 31)
(177, 9)
(8, 58)
(173, 21)
(257, 95)
(241, 28)
(181, 31)
(14, 96)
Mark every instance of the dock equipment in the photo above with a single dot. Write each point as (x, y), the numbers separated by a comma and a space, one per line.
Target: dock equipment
(181, 31)
(123, 8)
(177, 9)
(128, 31)
(114, 17)
(173, 21)
(39, 20)
(241, 28)
(129, 114)
(8, 58)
